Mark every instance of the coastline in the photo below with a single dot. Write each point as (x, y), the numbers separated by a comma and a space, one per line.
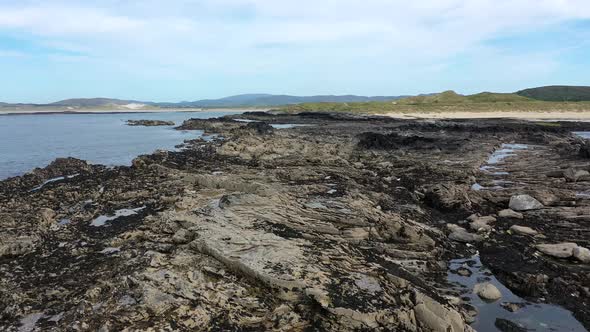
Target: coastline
(334, 200)
(522, 115)
(122, 111)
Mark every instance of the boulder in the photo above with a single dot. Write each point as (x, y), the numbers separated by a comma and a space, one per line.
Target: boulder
(573, 175)
(433, 316)
(508, 213)
(480, 226)
(482, 223)
(582, 254)
(461, 235)
(559, 250)
(524, 203)
(487, 291)
(523, 230)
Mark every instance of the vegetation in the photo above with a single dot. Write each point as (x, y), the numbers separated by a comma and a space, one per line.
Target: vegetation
(558, 93)
(448, 101)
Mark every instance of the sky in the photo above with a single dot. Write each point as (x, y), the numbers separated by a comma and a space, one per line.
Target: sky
(174, 50)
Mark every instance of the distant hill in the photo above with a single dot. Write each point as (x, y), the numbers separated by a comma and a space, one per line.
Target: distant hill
(250, 100)
(451, 97)
(245, 100)
(558, 93)
(549, 93)
(95, 102)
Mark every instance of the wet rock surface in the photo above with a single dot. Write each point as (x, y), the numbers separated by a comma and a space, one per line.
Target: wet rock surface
(344, 224)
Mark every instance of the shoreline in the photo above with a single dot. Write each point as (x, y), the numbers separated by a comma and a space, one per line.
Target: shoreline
(522, 115)
(124, 111)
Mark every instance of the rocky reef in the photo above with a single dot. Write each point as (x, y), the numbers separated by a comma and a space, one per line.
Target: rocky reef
(342, 223)
(149, 123)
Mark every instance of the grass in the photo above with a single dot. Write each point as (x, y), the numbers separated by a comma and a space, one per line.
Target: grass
(447, 101)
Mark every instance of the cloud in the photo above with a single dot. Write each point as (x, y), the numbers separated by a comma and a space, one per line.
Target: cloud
(185, 38)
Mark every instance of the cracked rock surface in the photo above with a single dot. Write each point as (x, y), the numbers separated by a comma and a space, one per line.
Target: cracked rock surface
(344, 224)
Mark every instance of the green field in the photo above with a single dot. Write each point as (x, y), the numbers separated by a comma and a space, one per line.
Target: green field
(447, 101)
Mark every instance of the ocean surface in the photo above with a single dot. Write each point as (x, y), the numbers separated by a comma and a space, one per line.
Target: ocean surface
(30, 141)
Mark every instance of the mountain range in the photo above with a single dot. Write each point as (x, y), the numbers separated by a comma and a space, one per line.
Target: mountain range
(548, 93)
(245, 100)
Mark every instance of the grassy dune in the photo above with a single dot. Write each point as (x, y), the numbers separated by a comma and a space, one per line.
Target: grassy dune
(447, 101)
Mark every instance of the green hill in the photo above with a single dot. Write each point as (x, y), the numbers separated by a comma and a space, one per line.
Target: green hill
(453, 98)
(491, 97)
(558, 93)
(448, 101)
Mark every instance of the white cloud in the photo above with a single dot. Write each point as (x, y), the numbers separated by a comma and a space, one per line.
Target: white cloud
(189, 37)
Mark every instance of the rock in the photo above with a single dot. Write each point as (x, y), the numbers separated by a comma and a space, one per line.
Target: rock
(356, 233)
(547, 197)
(508, 213)
(461, 235)
(573, 175)
(463, 271)
(482, 223)
(506, 325)
(436, 317)
(12, 247)
(512, 306)
(559, 250)
(261, 128)
(149, 123)
(523, 230)
(524, 203)
(487, 291)
(182, 236)
(582, 254)
(47, 216)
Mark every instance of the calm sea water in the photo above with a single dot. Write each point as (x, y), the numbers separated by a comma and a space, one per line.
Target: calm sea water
(29, 141)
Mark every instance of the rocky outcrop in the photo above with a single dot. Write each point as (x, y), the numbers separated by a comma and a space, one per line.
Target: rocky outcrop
(149, 123)
(338, 227)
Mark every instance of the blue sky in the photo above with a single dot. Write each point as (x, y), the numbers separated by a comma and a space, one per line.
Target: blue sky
(192, 49)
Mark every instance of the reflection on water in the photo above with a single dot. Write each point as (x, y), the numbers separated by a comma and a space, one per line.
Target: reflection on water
(584, 134)
(533, 316)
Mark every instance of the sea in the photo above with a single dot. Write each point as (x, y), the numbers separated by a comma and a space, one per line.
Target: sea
(28, 141)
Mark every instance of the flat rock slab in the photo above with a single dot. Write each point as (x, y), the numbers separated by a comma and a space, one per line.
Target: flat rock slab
(508, 213)
(559, 250)
(523, 230)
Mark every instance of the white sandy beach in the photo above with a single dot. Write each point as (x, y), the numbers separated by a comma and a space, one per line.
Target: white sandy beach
(556, 115)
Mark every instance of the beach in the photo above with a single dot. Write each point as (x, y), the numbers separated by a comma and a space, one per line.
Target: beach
(541, 115)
